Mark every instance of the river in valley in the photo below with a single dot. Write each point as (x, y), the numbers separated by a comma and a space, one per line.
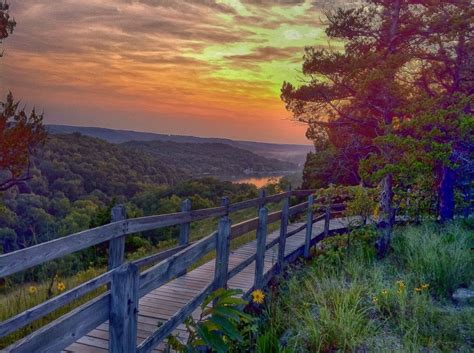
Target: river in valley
(258, 181)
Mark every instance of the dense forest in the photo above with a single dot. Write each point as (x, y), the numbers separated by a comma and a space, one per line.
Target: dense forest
(286, 152)
(216, 159)
(75, 180)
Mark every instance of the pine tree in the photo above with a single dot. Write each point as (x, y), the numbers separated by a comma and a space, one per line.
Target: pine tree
(358, 91)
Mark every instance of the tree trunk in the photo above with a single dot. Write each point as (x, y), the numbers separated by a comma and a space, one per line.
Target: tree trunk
(446, 194)
(386, 218)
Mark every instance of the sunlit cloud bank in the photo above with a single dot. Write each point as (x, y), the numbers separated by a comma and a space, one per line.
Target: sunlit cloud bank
(210, 68)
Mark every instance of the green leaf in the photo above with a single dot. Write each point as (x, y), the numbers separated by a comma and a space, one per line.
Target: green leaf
(231, 301)
(227, 326)
(212, 339)
(218, 292)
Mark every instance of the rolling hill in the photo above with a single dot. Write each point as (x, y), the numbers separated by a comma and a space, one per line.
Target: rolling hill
(295, 154)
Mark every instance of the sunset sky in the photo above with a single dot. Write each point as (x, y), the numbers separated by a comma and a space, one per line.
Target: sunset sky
(200, 67)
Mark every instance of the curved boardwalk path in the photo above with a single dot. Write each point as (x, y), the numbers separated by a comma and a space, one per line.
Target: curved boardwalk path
(160, 304)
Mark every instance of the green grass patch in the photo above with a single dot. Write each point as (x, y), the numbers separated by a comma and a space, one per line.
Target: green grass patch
(345, 300)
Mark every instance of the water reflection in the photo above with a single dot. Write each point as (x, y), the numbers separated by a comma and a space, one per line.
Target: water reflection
(259, 182)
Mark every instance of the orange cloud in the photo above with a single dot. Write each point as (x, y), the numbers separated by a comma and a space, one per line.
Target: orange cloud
(190, 67)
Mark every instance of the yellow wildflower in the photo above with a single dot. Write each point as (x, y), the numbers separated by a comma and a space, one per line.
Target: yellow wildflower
(418, 290)
(32, 290)
(425, 286)
(376, 213)
(385, 292)
(61, 286)
(401, 284)
(258, 296)
(375, 300)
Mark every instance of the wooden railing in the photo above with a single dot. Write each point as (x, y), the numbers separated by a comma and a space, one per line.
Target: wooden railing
(126, 284)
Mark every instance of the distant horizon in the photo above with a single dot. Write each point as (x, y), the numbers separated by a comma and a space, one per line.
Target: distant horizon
(206, 68)
(178, 134)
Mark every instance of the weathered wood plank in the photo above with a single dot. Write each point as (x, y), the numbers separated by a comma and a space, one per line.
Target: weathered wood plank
(25, 258)
(154, 222)
(169, 268)
(148, 344)
(184, 228)
(117, 245)
(298, 208)
(309, 227)
(222, 249)
(272, 243)
(60, 333)
(24, 318)
(283, 231)
(159, 256)
(319, 218)
(296, 230)
(327, 218)
(123, 310)
(243, 227)
(277, 197)
(274, 217)
(260, 254)
(237, 269)
(243, 205)
(302, 193)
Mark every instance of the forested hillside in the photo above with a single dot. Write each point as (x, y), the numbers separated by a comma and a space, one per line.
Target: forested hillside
(75, 180)
(284, 152)
(200, 159)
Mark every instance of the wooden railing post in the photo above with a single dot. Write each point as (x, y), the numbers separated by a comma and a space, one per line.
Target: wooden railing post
(283, 231)
(309, 226)
(222, 248)
(184, 228)
(327, 218)
(261, 195)
(117, 245)
(124, 310)
(261, 242)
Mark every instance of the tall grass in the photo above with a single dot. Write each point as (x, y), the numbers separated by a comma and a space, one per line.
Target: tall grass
(31, 294)
(441, 256)
(347, 301)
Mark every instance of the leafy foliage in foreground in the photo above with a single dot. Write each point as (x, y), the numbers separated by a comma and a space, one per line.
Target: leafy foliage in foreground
(218, 325)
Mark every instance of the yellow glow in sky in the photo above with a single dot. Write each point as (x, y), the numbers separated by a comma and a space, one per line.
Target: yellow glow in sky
(206, 68)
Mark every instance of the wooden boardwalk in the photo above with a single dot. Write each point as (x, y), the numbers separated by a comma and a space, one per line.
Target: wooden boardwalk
(161, 304)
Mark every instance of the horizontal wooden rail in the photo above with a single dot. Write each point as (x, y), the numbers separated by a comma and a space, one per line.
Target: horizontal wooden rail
(23, 259)
(165, 330)
(19, 260)
(26, 317)
(166, 265)
(243, 228)
(277, 197)
(302, 193)
(242, 205)
(152, 259)
(301, 207)
(297, 230)
(60, 333)
(175, 264)
(241, 266)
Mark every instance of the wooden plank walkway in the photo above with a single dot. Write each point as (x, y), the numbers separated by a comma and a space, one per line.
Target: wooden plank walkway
(160, 304)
